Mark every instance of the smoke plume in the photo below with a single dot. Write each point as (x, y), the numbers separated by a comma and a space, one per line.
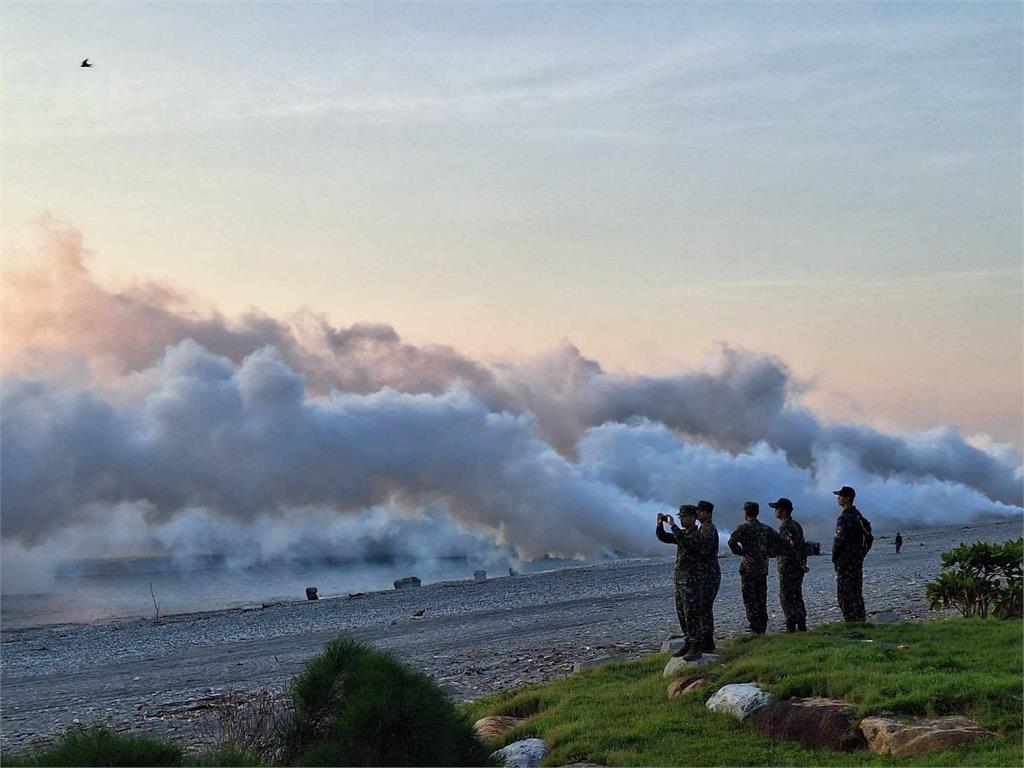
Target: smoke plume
(137, 404)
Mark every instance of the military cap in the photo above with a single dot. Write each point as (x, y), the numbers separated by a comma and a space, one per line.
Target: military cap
(688, 509)
(782, 503)
(705, 506)
(846, 491)
(752, 508)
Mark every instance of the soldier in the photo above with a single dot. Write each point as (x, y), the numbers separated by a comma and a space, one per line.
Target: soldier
(852, 542)
(686, 576)
(899, 542)
(755, 542)
(792, 564)
(712, 573)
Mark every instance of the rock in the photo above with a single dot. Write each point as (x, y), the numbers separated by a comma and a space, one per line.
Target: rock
(492, 728)
(815, 723)
(903, 738)
(676, 665)
(311, 593)
(521, 754)
(408, 581)
(885, 617)
(479, 575)
(739, 700)
(689, 684)
(672, 644)
(419, 614)
(600, 661)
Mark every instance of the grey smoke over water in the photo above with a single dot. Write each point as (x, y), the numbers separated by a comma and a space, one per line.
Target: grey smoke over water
(133, 419)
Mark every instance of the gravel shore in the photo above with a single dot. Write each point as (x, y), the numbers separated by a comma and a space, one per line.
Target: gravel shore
(473, 638)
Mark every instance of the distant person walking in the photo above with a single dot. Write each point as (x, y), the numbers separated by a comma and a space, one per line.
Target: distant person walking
(899, 542)
(755, 542)
(792, 564)
(686, 577)
(711, 574)
(852, 543)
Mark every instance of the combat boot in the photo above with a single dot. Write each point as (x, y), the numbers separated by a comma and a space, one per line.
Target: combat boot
(791, 626)
(693, 654)
(707, 645)
(687, 645)
(801, 626)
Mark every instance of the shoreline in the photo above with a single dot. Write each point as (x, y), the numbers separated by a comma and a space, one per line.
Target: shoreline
(473, 638)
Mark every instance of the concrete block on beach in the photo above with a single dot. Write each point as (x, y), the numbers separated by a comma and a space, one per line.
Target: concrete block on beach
(407, 582)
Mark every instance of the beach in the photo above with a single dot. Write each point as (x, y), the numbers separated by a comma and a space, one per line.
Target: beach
(472, 637)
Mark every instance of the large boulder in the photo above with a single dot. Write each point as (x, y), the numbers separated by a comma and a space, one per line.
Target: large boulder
(408, 581)
(496, 726)
(527, 753)
(676, 665)
(739, 700)
(689, 684)
(903, 738)
(815, 723)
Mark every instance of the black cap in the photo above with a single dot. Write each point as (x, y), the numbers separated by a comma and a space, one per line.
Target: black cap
(846, 491)
(688, 509)
(752, 508)
(782, 503)
(705, 506)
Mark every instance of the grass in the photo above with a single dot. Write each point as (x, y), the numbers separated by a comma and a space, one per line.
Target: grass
(98, 746)
(620, 715)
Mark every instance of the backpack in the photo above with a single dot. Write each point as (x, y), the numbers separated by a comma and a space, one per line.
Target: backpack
(867, 538)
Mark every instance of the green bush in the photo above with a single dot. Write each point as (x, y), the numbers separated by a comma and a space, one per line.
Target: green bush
(357, 706)
(98, 746)
(979, 579)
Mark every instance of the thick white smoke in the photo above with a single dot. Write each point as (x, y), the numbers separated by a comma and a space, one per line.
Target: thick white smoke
(135, 419)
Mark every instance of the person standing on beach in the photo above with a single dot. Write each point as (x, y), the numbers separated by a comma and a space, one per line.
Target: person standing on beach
(711, 574)
(755, 542)
(686, 575)
(851, 545)
(792, 564)
(899, 542)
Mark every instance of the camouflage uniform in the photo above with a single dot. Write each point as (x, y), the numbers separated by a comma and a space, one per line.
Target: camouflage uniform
(848, 560)
(791, 565)
(711, 580)
(760, 542)
(685, 579)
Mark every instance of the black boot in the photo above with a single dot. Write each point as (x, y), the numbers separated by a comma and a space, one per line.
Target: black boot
(791, 626)
(684, 650)
(707, 645)
(801, 626)
(693, 654)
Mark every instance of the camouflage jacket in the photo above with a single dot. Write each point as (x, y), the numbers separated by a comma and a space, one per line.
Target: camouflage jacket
(757, 540)
(687, 546)
(794, 556)
(709, 546)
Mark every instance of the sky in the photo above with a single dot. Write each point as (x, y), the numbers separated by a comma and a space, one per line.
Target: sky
(837, 184)
(279, 277)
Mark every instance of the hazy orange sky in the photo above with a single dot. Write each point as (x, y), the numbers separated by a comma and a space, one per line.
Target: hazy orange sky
(838, 185)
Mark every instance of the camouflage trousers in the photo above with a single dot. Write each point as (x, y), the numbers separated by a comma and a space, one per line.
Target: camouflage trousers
(688, 605)
(708, 594)
(754, 587)
(850, 590)
(791, 585)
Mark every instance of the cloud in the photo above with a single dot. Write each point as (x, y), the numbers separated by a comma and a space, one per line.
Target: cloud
(139, 420)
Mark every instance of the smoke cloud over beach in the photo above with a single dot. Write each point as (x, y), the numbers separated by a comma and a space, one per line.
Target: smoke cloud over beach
(136, 419)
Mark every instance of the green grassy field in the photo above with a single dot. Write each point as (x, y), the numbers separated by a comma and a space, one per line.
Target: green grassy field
(620, 715)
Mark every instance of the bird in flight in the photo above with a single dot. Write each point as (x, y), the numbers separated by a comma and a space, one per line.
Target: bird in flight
(85, 63)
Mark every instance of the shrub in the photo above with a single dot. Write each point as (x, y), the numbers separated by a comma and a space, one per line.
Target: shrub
(981, 578)
(357, 706)
(98, 746)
